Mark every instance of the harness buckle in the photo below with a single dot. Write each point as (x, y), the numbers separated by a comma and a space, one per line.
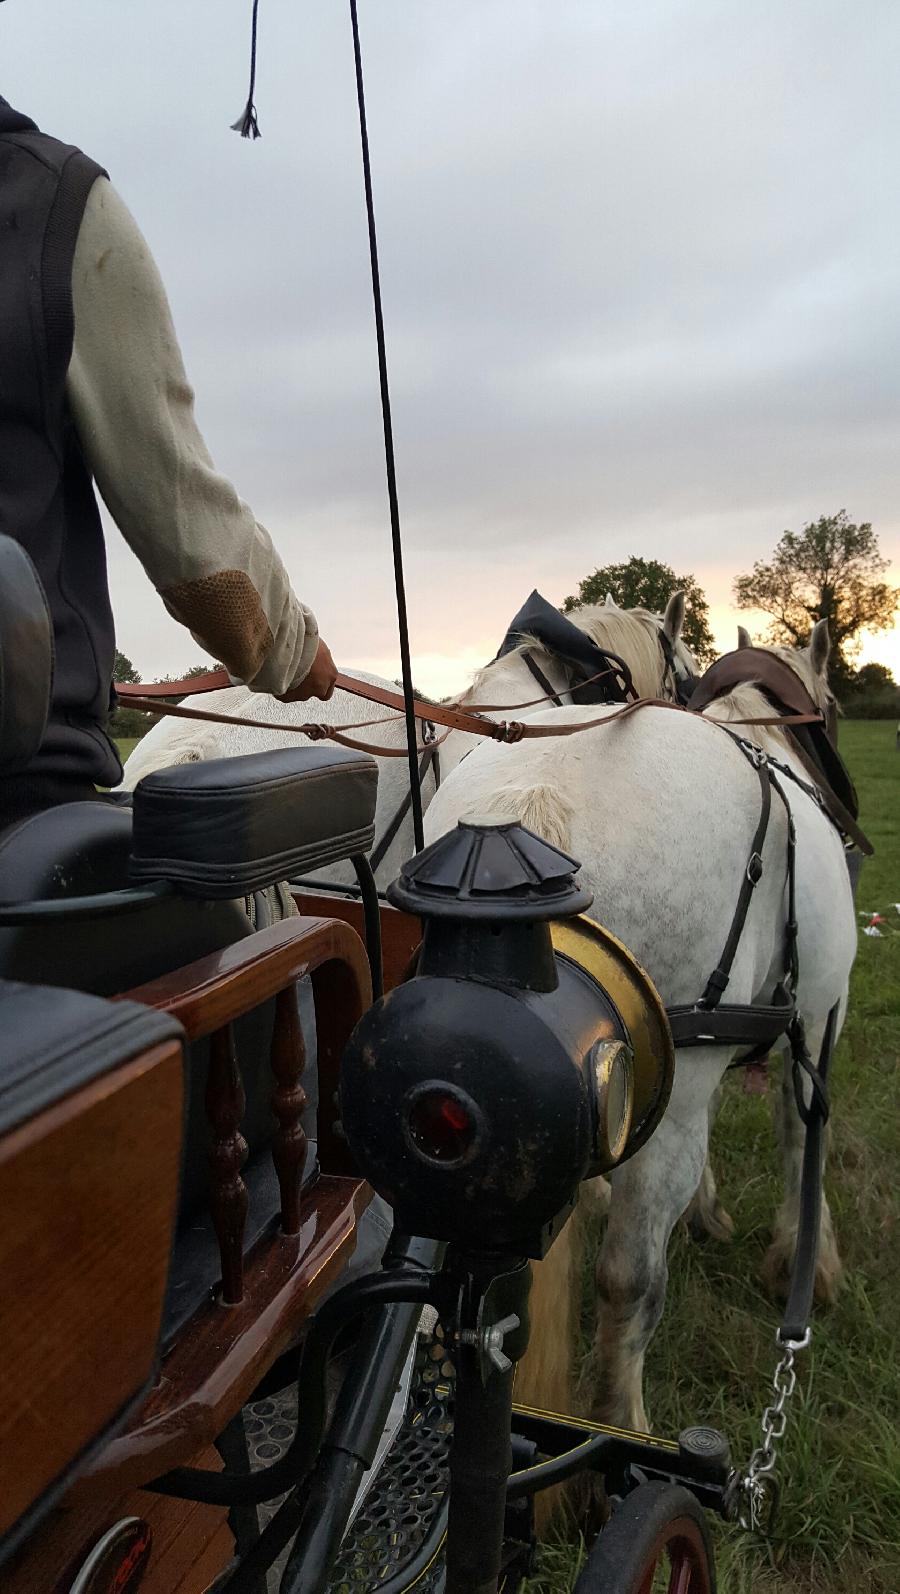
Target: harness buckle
(754, 868)
(756, 755)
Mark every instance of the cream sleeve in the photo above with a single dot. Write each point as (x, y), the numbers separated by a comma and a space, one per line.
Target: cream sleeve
(212, 563)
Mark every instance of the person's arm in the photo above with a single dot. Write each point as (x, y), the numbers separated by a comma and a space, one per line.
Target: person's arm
(212, 563)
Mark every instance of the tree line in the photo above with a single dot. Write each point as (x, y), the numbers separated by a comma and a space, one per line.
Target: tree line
(833, 569)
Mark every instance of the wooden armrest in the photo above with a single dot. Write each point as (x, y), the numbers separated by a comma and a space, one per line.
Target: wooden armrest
(215, 990)
(401, 933)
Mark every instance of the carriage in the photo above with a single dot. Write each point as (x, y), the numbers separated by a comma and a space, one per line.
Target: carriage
(208, 1381)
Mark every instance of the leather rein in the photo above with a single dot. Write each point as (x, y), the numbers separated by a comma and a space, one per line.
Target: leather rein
(801, 710)
(453, 716)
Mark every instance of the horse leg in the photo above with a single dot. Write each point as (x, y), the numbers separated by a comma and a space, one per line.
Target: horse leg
(649, 1195)
(775, 1270)
(705, 1214)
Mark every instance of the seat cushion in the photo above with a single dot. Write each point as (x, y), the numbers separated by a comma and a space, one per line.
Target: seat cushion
(57, 1041)
(229, 826)
(72, 850)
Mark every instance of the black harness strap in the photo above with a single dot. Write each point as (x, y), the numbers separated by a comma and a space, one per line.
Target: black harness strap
(709, 1021)
(723, 1025)
(721, 974)
(682, 686)
(541, 678)
(795, 1323)
(430, 755)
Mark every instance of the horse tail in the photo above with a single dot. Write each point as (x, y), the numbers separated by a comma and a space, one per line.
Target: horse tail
(543, 809)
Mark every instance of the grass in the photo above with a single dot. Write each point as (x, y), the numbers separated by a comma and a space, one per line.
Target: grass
(838, 1526)
(126, 745)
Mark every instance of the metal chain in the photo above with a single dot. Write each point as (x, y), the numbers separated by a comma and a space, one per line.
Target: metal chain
(752, 1496)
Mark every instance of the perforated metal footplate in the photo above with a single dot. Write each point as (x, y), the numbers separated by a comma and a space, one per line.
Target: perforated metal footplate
(397, 1511)
(396, 1514)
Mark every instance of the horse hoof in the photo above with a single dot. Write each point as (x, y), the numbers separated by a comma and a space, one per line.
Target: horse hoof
(775, 1273)
(709, 1222)
(829, 1279)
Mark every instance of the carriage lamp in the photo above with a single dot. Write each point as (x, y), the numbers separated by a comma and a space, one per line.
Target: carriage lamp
(442, 1123)
(476, 1096)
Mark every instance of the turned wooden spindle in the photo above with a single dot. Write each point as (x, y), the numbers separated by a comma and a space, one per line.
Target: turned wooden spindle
(225, 1104)
(288, 1101)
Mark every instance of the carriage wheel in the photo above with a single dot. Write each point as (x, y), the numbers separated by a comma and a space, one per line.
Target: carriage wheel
(657, 1542)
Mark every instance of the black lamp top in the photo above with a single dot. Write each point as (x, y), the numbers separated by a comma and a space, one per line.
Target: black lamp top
(490, 871)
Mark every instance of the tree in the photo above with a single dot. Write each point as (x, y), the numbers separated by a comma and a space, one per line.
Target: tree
(873, 678)
(832, 571)
(188, 675)
(650, 584)
(125, 721)
(124, 670)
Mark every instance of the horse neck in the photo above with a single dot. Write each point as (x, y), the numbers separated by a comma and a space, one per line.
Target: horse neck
(507, 681)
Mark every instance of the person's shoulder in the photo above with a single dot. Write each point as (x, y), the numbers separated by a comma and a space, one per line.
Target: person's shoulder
(50, 152)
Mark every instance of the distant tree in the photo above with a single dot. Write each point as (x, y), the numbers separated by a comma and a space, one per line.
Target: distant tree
(124, 670)
(873, 694)
(650, 584)
(873, 678)
(832, 570)
(188, 675)
(125, 721)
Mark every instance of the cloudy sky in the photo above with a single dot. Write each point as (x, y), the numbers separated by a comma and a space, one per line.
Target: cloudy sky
(639, 265)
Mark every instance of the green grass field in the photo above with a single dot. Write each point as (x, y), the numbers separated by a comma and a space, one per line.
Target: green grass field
(126, 745)
(838, 1526)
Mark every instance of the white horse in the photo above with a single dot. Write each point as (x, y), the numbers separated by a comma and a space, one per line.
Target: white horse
(660, 809)
(634, 634)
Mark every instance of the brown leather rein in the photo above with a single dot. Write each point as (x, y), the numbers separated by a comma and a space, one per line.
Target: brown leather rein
(720, 677)
(453, 716)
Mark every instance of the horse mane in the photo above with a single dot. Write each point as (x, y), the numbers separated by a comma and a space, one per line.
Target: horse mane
(631, 633)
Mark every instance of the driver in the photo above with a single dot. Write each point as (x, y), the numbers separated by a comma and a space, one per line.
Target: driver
(93, 390)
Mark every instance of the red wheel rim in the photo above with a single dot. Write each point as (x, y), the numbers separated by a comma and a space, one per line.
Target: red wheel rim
(681, 1551)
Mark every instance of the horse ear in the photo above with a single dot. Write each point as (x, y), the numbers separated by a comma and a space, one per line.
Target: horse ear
(819, 647)
(673, 619)
(744, 638)
(610, 602)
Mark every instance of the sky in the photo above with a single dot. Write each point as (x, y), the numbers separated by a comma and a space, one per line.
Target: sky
(639, 268)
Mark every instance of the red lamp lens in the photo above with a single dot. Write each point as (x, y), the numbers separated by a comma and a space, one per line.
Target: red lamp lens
(441, 1126)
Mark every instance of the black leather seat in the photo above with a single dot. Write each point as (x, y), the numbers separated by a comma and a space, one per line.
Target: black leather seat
(221, 833)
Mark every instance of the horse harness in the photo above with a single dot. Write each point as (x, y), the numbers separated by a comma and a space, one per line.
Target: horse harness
(709, 1021)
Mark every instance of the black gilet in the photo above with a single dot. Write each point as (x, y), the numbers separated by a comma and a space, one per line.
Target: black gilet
(47, 499)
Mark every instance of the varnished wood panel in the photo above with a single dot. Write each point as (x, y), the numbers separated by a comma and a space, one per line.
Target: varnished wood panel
(220, 1357)
(88, 1193)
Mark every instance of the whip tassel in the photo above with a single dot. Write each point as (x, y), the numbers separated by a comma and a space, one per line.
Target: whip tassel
(247, 123)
